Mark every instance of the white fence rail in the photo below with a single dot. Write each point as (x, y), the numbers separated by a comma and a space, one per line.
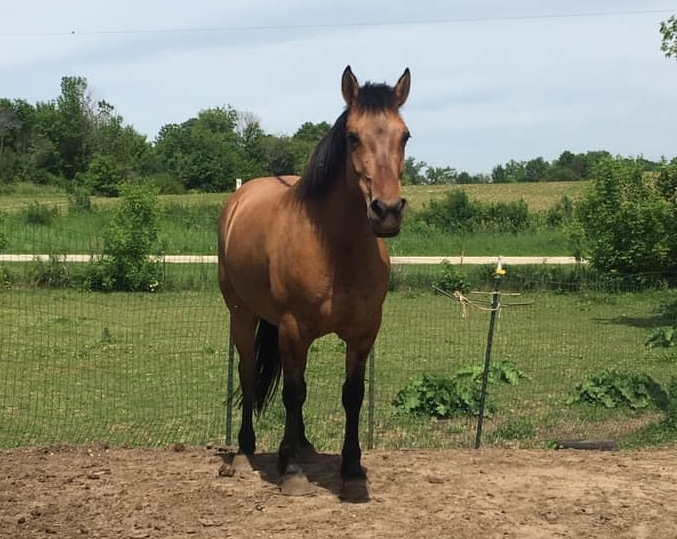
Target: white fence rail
(396, 260)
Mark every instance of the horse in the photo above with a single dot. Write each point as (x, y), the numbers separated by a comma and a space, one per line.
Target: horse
(302, 257)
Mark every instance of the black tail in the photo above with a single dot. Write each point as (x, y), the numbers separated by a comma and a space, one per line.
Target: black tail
(268, 364)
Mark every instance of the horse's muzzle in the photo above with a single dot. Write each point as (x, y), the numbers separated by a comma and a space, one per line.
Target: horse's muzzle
(386, 217)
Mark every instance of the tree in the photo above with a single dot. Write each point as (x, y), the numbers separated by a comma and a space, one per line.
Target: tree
(515, 171)
(629, 224)
(72, 132)
(413, 172)
(669, 32)
(536, 170)
(498, 174)
(204, 153)
(440, 175)
(304, 141)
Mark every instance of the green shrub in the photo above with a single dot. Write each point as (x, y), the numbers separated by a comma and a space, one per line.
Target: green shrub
(166, 184)
(665, 337)
(453, 280)
(457, 213)
(615, 389)
(53, 273)
(440, 397)
(671, 405)
(629, 225)
(130, 245)
(104, 176)
(444, 398)
(79, 200)
(560, 214)
(39, 214)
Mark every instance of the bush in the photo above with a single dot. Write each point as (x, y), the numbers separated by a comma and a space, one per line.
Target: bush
(615, 389)
(457, 213)
(104, 176)
(629, 225)
(51, 274)
(166, 184)
(79, 201)
(453, 280)
(129, 244)
(39, 214)
(561, 213)
(460, 395)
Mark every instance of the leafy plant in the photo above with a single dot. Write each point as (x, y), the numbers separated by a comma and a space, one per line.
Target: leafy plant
(614, 389)
(453, 280)
(671, 405)
(662, 337)
(460, 395)
(499, 372)
(439, 397)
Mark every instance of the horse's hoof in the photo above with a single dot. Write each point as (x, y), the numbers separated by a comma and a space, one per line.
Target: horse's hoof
(242, 464)
(295, 484)
(355, 490)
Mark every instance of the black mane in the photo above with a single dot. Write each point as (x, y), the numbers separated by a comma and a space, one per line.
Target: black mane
(329, 157)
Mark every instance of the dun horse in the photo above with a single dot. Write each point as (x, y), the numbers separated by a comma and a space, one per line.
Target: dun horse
(301, 257)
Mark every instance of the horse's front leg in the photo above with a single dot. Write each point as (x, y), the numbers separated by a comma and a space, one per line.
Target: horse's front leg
(293, 353)
(355, 486)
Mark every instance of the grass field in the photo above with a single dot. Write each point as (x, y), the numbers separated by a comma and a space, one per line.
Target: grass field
(539, 196)
(188, 223)
(150, 369)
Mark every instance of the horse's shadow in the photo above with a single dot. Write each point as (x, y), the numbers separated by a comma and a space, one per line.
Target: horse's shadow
(322, 469)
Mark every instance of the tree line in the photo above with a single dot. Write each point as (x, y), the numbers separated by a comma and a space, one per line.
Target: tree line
(75, 142)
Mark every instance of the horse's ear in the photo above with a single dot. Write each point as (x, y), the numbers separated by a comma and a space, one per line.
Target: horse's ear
(402, 88)
(349, 86)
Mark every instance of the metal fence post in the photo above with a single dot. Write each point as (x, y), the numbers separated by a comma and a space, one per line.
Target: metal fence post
(372, 399)
(229, 390)
(495, 305)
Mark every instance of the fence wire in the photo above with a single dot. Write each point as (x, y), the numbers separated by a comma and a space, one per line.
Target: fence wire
(149, 369)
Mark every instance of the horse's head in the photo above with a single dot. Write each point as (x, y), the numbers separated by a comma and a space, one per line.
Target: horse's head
(376, 137)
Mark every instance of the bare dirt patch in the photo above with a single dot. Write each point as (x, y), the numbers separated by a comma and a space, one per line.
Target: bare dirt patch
(111, 493)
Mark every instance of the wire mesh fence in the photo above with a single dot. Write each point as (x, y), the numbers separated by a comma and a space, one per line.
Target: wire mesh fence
(147, 369)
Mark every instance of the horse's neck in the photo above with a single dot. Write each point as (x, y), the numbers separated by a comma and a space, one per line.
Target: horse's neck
(341, 216)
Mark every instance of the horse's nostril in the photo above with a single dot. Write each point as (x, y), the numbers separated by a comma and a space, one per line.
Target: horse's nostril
(379, 208)
(402, 204)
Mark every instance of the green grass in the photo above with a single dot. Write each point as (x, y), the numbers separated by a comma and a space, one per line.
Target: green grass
(433, 242)
(188, 225)
(150, 369)
(539, 196)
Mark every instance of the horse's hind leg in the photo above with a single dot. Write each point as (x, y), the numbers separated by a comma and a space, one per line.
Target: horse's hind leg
(243, 326)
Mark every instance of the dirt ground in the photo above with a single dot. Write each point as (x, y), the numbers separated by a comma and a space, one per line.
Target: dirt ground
(178, 493)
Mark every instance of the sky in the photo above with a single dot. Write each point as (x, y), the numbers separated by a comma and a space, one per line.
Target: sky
(492, 80)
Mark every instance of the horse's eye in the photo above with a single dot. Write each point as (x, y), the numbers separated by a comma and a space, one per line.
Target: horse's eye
(405, 138)
(353, 139)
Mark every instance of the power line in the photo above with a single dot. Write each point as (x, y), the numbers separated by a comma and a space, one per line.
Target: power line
(334, 25)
